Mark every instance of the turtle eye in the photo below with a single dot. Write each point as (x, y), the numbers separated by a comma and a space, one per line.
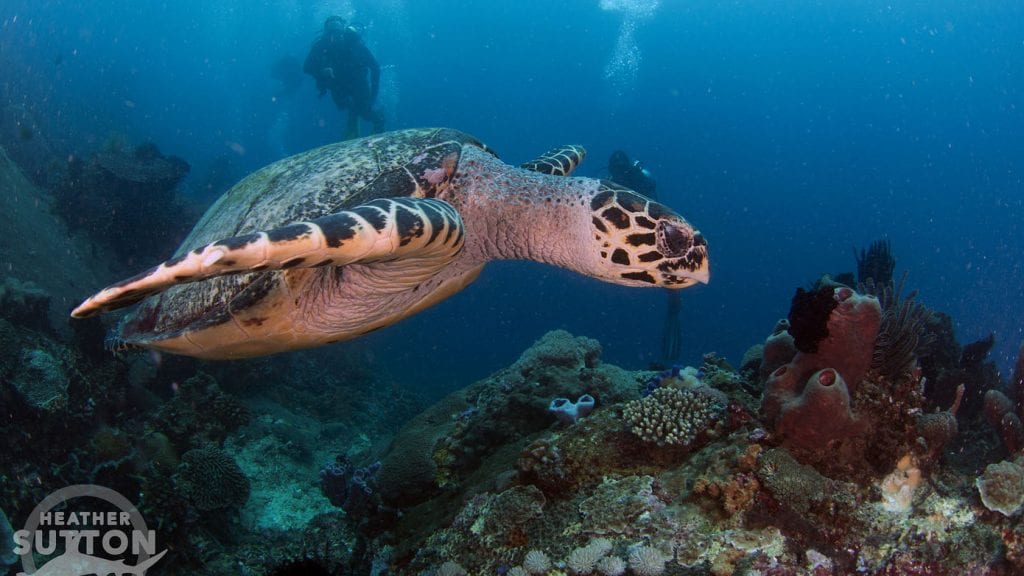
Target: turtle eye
(676, 240)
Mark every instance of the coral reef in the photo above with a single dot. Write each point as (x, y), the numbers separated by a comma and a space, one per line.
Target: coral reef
(854, 396)
(7, 555)
(807, 400)
(850, 442)
(25, 304)
(212, 480)
(350, 488)
(200, 413)
(1001, 487)
(41, 382)
(122, 194)
(437, 449)
(1003, 413)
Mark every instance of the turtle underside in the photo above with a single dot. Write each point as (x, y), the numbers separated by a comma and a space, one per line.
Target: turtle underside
(411, 163)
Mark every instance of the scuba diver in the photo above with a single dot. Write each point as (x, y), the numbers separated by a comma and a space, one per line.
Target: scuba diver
(633, 175)
(342, 64)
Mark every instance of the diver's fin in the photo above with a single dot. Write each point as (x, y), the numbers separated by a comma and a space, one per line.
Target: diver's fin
(560, 161)
(429, 230)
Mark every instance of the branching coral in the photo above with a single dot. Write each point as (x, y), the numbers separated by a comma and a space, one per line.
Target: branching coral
(674, 416)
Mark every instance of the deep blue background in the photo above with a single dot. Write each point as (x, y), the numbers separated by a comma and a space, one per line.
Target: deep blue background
(789, 132)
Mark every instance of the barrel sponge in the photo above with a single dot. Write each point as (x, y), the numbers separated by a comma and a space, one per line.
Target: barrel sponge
(1002, 487)
(852, 330)
(847, 348)
(820, 414)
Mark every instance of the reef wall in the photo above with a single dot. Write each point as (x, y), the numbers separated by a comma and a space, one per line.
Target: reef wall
(36, 246)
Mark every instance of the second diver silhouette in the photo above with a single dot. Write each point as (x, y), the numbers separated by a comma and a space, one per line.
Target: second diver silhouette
(632, 174)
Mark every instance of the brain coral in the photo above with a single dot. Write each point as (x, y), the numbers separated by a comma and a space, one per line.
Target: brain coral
(212, 480)
(675, 416)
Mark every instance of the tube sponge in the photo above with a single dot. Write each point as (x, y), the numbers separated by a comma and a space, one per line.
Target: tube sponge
(820, 414)
(568, 412)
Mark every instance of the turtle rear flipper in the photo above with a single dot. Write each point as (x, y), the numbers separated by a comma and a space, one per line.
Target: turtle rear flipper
(560, 161)
(427, 230)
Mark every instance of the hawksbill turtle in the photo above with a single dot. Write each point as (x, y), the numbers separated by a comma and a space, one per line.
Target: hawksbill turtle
(338, 241)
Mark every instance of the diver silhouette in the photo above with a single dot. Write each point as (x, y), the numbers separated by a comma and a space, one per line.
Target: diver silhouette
(343, 65)
(632, 174)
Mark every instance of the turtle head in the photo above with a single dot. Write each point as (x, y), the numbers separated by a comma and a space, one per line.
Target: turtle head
(640, 242)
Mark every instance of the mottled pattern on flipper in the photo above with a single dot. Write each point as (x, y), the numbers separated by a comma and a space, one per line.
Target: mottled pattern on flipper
(560, 161)
(378, 231)
(295, 189)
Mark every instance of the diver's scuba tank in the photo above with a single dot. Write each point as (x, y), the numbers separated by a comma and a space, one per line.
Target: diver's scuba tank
(637, 165)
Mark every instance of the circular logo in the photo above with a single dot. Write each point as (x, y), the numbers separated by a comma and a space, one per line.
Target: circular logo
(125, 531)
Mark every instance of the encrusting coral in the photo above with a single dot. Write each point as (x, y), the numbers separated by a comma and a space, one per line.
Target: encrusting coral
(1002, 487)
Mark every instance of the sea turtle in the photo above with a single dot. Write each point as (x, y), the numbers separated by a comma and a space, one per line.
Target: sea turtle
(335, 242)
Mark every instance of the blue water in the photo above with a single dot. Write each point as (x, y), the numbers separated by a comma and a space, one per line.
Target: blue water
(789, 132)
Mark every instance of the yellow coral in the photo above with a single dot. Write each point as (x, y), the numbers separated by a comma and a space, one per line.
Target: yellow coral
(899, 486)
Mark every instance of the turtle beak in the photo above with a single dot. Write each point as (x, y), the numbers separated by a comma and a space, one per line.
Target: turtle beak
(687, 255)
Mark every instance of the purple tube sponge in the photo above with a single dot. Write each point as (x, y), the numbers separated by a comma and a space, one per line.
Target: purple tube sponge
(349, 487)
(568, 412)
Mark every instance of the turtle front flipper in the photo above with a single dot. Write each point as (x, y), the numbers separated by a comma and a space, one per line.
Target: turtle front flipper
(559, 161)
(428, 230)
